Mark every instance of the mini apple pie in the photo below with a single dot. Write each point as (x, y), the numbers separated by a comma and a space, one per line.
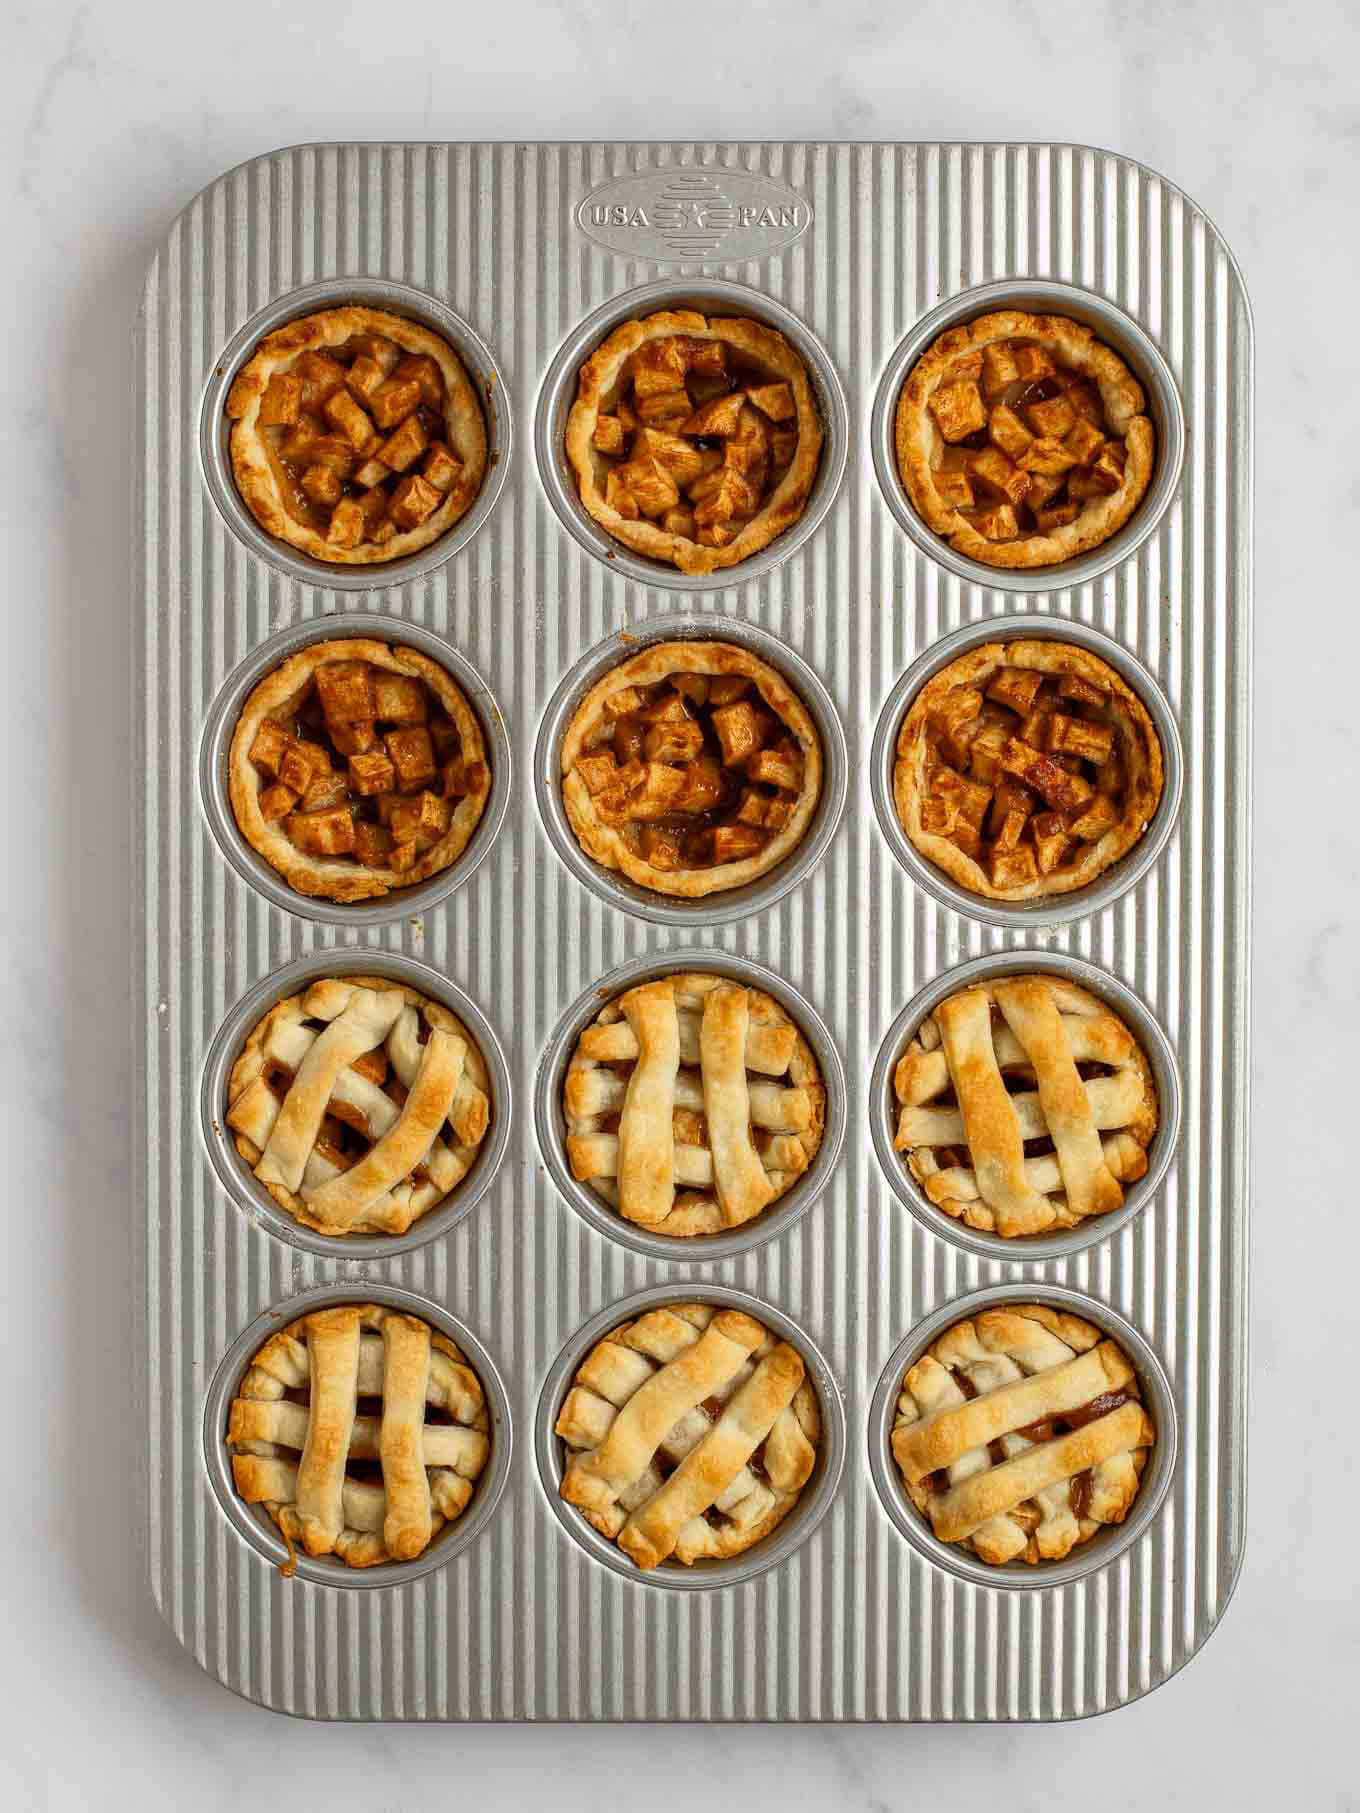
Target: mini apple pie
(357, 436)
(691, 768)
(694, 440)
(691, 1432)
(1021, 1432)
(362, 1432)
(357, 767)
(1023, 440)
(359, 1105)
(1026, 768)
(1026, 1105)
(692, 1103)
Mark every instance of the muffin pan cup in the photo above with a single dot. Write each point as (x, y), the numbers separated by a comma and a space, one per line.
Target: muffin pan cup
(214, 434)
(1029, 1249)
(220, 725)
(524, 257)
(255, 1525)
(733, 903)
(550, 1122)
(1056, 909)
(1139, 352)
(234, 1173)
(559, 393)
(1100, 1551)
(700, 1576)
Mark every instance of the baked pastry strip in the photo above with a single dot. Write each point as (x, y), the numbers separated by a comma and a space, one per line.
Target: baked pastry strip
(944, 1436)
(407, 1524)
(1029, 1490)
(652, 1532)
(1032, 1015)
(594, 1481)
(983, 1496)
(742, 1185)
(1061, 1024)
(993, 1132)
(365, 1022)
(340, 1200)
(646, 1138)
(333, 1357)
(669, 1029)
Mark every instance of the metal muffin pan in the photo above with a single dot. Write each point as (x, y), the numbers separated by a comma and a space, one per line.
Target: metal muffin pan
(220, 726)
(710, 298)
(700, 1576)
(1107, 1545)
(736, 903)
(1031, 1248)
(1144, 359)
(214, 437)
(252, 1197)
(1024, 915)
(538, 245)
(550, 1123)
(259, 1529)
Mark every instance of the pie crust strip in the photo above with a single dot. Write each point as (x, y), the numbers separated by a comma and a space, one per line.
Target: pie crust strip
(997, 1149)
(1032, 1015)
(595, 1481)
(341, 1200)
(945, 1435)
(710, 1467)
(646, 1137)
(742, 1184)
(974, 1501)
(364, 1024)
(333, 1359)
(407, 1523)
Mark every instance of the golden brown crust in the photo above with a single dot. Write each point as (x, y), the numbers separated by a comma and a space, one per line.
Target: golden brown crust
(761, 346)
(1138, 741)
(605, 845)
(918, 439)
(590, 1093)
(464, 423)
(971, 1184)
(250, 1066)
(350, 880)
(662, 1419)
(1053, 1407)
(297, 1421)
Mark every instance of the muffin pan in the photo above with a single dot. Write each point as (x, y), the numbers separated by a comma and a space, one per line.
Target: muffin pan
(850, 1610)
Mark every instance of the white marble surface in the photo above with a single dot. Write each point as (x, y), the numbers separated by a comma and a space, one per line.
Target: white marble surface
(112, 117)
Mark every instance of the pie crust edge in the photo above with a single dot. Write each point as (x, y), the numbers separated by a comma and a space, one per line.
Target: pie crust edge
(247, 1066)
(318, 877)
(606, 846)
(463, 420)
(779, 511)
(1079, 349)
(1050, 655)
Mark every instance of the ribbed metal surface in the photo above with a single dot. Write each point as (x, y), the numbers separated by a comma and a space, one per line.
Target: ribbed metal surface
(854, 1624)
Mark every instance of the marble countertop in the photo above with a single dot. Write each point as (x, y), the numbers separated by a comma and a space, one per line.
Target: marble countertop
(112, 118)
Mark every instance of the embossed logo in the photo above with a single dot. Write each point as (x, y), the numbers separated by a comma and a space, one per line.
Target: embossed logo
(675, 216)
